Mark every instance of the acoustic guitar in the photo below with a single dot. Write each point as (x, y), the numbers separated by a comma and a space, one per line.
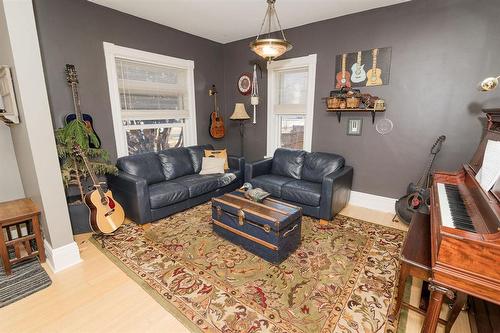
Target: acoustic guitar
(106, 214)
(374, 74)
(343, 77)
(358, 73)
(72, 79)
(216, 128)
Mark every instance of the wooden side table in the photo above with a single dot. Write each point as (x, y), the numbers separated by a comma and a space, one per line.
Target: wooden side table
(19, 217)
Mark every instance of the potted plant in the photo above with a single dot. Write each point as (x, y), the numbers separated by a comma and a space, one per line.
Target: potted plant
(74, 172)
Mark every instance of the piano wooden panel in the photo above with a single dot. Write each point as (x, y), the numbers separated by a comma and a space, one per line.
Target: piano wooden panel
(461, 260)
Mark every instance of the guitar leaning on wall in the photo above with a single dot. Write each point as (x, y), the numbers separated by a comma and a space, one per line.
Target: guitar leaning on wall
(374, 74)
(343, 77)
(358, 73)
(216, 129)
(417, 198)
(72, 79)
(106, 214)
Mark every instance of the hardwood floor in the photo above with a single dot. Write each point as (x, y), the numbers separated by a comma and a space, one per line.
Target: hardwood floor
(96, 296)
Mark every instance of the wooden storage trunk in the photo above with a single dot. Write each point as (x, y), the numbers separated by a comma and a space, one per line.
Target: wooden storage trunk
(270, 230)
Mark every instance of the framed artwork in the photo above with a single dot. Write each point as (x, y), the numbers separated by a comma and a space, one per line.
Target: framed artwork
(354, 126)
(363, 68)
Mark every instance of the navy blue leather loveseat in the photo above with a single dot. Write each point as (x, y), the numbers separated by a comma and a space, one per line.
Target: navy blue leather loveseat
(320, 183)
(151, 186)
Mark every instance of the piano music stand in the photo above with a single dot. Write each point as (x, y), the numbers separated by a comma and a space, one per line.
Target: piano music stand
(415, 261)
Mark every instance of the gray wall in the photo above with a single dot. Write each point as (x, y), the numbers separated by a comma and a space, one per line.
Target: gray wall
(440, 50)
(73, 32)
(11, 186)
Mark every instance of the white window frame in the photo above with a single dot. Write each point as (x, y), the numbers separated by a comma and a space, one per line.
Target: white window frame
(273, 124)
(111, 52)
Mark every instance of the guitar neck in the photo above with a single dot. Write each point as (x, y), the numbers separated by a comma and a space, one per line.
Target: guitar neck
(375, 51)
(76, 100)
(215, 103)
(344, 56)
(92, 175)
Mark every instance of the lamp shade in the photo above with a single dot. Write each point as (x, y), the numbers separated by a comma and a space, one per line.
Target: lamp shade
(239, 112)
(270, 48)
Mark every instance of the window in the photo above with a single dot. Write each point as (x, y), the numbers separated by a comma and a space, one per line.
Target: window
(290, 103)
(152, 100)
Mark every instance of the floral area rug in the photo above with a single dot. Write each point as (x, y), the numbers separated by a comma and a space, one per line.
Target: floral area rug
(342, 278)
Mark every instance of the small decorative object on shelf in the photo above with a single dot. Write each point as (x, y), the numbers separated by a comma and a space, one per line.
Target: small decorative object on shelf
(352, 100)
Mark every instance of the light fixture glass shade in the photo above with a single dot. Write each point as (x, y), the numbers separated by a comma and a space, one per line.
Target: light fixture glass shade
(239, 112)
(488, 84)
(270, 48)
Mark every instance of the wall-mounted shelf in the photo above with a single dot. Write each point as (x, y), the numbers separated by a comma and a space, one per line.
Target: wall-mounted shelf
(339, 112)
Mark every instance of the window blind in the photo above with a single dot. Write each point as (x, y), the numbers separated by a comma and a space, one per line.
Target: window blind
(291, 91)
(151, 91)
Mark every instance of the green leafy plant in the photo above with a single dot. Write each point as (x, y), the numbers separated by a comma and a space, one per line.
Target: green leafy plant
(73, 170)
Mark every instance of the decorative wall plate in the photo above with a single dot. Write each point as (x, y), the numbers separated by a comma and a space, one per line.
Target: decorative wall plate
(384, 126)
(245, 84)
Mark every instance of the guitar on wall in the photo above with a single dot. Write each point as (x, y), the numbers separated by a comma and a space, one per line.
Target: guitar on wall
(106, 214)
(374, 74)
(358, 73)
(417, 198)
(216, 129)
(343, 77)
(72, 79)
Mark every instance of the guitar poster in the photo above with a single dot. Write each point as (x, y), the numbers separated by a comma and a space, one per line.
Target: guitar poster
(363, 68)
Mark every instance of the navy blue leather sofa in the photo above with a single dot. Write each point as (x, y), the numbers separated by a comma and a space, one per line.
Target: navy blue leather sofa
(320, 183)
(151, 186)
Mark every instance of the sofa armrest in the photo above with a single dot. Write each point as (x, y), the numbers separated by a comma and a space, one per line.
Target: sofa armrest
(237, 163)
(335, 192)
(132, 193)
(258, 168)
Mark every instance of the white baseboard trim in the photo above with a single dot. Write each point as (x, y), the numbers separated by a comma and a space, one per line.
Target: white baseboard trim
(372, 201)
(62, 257)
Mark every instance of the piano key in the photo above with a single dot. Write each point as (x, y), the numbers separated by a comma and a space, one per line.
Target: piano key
(453, 210)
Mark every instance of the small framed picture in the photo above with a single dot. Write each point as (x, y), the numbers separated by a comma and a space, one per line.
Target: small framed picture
(354, 126)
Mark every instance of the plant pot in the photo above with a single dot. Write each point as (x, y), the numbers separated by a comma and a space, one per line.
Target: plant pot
(79, 216)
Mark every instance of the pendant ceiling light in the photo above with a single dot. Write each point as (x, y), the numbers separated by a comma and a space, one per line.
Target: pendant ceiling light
(270, 48)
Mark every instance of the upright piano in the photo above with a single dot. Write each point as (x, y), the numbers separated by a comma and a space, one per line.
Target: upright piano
(465, 232)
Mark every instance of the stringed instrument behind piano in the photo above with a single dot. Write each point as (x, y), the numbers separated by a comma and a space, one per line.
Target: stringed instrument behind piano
(465, 234)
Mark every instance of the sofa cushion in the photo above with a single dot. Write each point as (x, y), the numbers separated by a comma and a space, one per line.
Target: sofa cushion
(166, 193)
(288, 162)
(302, 191)
(271, 183)
(176, 163)
(197, 153)
(199, 184)
(318, 165)
(146, 166)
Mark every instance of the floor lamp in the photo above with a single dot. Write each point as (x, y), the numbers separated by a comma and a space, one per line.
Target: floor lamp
(240, 114)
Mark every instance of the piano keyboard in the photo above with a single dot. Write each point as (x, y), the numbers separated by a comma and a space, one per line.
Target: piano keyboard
(453, 211)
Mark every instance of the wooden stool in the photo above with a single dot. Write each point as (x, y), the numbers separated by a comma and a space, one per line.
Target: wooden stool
(415, 261)
(19, 216)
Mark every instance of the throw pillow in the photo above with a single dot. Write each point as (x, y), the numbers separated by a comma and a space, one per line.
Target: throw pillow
(220, 153)
(212, 165)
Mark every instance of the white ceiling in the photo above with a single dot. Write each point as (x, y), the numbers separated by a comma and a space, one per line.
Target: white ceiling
(225, 21)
